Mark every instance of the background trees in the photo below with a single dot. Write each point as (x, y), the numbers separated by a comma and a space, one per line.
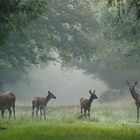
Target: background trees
(85, 33)
(16, 14)
(66, 29)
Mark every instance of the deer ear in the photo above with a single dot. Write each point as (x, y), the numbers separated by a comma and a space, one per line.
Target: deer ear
(127, 83)
(136, 83)
(90, 92)
(49, 92)
(94, 92)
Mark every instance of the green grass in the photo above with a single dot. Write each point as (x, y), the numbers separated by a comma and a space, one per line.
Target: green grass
(106, 123)
(76, 131)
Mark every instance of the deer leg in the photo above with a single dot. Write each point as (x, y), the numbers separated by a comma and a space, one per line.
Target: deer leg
(85, 111)
(137, 114)
(33, 112)
(33, 108)
(89, 112)
(37, 111)
(40, 113)
(2, 112)
(81, 111)
(10, 112)
(14, 111)
(44, 113)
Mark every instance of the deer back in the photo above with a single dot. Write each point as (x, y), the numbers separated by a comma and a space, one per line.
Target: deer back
(7, 99)
(84, 101)
(39, 101)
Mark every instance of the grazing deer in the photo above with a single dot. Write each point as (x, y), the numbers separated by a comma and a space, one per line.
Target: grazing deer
(135, 96)
(7, 100)
(40, 103)
(86, 103)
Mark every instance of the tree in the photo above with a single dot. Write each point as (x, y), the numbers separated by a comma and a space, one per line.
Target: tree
(15, 17)
(70, 30)
(120, 26)
(16, 14)
(130, 7)
(71, 25)
(66, 29)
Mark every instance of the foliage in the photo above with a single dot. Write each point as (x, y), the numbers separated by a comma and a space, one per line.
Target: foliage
(69, 31)
(121, 50)
(16, 51)
(123, 7)
(16, 14)
(66, 30)
(110, 96)
(71, 27)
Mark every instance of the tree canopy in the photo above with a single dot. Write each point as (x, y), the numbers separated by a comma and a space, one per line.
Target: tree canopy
(36, 31)
(16, 14)
(123, 8)
(66, 29)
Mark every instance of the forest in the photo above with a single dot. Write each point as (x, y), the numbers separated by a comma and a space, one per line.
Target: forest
(89, 34)
(71, 47)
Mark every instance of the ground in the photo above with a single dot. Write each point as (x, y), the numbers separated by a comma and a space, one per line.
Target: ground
(107, 122)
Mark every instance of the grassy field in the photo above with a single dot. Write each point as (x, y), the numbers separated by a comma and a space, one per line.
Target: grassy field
(107, 122)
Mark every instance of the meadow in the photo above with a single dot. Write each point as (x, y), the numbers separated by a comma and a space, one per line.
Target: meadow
(107, 122)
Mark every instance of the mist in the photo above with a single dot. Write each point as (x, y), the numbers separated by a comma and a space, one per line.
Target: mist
(74, 31)
(67, 84)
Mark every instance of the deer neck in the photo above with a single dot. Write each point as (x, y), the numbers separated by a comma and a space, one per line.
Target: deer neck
(90, 101)
(47, 99)
(134, 94)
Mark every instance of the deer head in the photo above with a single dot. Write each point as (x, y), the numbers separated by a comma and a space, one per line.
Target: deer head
(132, 87)
(93, 95)
(132, 90)
(51, 95)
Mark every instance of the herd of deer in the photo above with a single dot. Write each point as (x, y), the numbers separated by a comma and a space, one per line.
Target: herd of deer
(7, 101)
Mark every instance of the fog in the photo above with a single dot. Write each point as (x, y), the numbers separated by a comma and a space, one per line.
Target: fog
(71, 31)
(67, 84)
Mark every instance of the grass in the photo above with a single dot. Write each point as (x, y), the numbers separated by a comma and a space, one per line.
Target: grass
(75, 131)
(106, 123)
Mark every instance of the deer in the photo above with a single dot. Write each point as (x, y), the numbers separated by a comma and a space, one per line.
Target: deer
(7, 100)
(85, 103)
(39, 103)
(135, 96)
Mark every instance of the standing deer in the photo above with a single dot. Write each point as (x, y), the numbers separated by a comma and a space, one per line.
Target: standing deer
(86, 103)
(135, 96)
(7, 100)
(40, 103)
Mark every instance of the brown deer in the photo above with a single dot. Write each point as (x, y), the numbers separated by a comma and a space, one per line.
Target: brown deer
(40, 103)
(7, 100)
(135, 96)
(86, 103)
